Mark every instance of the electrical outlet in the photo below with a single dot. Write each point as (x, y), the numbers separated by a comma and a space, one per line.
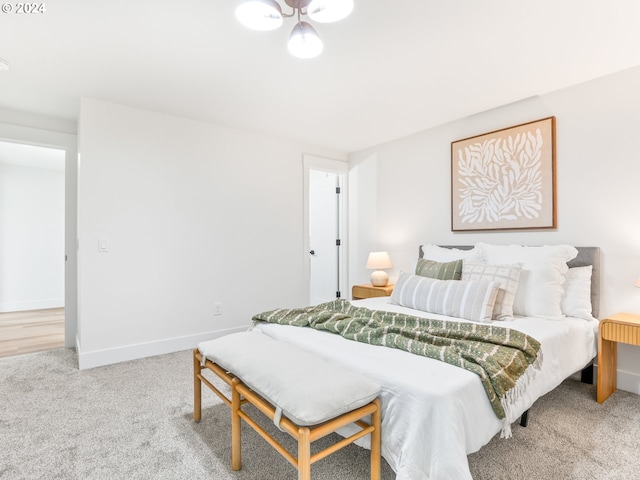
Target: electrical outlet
(217, 309)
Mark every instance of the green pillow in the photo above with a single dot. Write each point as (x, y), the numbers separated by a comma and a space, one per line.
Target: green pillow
(441, 271)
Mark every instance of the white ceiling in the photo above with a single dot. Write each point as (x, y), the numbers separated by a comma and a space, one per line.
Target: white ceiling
(390, 69)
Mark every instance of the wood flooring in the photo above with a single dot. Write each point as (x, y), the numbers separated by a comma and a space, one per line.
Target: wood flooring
(31, 331)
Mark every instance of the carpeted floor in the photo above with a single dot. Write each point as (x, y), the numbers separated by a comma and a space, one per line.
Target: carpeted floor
(133, 421)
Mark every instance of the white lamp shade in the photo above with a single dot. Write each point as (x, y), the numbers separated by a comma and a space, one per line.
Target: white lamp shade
(326, 11)
(379, 260)
(260, 14)
(304, 41)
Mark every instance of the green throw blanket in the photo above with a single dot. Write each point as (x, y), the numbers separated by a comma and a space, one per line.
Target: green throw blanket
(501, 357)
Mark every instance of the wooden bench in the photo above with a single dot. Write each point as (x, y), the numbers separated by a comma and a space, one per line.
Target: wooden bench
(306, 396)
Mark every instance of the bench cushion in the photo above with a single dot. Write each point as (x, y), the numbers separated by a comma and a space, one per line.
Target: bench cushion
(308, 389)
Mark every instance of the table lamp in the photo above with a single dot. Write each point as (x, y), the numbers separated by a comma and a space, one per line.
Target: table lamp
(377, 261)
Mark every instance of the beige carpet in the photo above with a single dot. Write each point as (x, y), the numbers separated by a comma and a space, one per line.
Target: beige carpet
(133, 421)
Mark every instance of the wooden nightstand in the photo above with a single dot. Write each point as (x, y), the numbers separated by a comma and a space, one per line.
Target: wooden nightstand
(358, 292)
(621, 327)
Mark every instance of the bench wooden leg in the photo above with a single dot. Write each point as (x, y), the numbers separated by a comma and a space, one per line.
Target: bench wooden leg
(304, 454)
(240, 394)
(376, 441)
(236, 438)
(197, 388)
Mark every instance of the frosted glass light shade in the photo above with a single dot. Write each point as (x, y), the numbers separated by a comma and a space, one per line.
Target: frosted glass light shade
(304, 41)
(326, 11)
(260, 14)
(638, 282)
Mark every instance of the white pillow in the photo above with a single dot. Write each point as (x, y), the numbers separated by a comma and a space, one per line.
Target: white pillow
(441, 254)
(506, 276)
(540, 289)
(455, 298)
(576, 301)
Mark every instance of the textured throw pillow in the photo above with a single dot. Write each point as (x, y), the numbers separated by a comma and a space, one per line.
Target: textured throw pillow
(455, 298)
(506, 276)
(439, 270)
(576, 301)
(441, 254)
(540, 289)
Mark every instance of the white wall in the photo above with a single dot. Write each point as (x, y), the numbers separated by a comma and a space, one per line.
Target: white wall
(598, 170)
(31, 238)
(193, 214)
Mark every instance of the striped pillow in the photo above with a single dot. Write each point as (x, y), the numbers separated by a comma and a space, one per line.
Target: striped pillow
(471, 300)
(506, 276)
(439, 270)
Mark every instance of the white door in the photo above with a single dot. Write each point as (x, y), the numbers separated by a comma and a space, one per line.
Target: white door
(325, 220)
(324, 236)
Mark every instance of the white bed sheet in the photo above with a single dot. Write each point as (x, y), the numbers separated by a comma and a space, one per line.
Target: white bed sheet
(435, 414)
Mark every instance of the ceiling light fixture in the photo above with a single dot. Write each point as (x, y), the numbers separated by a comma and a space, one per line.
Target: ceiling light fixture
(304, 41)
(4, 65)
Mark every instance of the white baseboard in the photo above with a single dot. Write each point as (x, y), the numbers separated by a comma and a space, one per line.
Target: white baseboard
(31, 305)
(627, 381)
(98, 358)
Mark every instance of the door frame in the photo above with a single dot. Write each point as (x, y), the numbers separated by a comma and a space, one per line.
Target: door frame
(69, 143)
(313, 162)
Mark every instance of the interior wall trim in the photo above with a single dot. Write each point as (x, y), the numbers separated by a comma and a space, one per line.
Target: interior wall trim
(99, 358)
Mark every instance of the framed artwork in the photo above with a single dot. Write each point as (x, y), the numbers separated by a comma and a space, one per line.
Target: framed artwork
(506, 179)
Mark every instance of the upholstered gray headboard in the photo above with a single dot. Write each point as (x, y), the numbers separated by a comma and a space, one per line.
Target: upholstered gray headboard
(586, 256)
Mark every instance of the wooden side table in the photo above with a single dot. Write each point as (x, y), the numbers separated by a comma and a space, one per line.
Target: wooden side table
(621, 327)
(358, 292)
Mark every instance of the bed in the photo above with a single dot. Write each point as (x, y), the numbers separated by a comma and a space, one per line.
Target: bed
(434, 414)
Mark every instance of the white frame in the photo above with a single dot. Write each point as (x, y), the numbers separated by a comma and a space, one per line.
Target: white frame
(312, 162)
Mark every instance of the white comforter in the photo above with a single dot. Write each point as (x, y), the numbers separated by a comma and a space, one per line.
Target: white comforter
(435, 414)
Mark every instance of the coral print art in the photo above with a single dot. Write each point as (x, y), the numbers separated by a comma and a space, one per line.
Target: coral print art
(505, 180)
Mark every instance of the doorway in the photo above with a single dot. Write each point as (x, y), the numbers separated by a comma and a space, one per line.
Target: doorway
(51, 133)
(325, 228)
(32, 247)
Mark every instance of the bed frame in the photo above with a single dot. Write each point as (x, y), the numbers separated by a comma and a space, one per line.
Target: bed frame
(586, 256)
